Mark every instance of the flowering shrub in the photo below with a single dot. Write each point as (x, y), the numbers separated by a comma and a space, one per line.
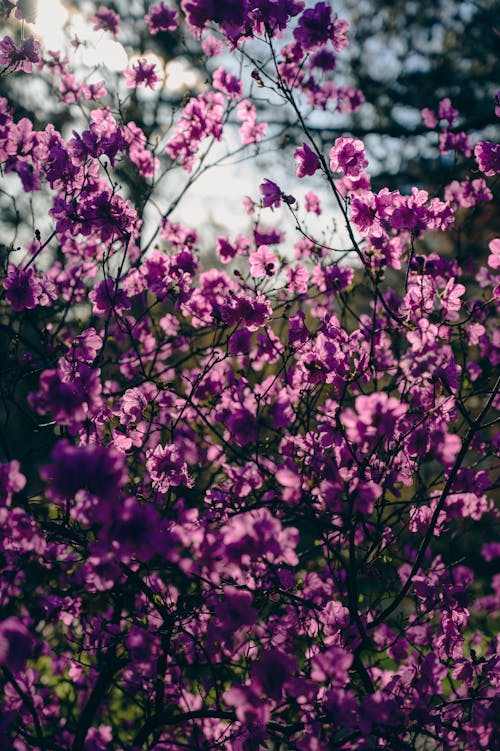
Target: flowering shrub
(247, 514)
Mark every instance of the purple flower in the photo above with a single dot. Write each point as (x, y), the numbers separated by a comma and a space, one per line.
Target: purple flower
(234, 610)
(243, 426)
(142, 73)
(137, 531)
(167, 468)
(256, 534)
(271, 194)
(106, 20)
(331, 666)
(108, 299)
(314, 26)
(271, 672)
(308, 161)
(228, 84)
(161, 18)
(22, 57)
(324, 59)
(311, 203)
(245, 311)
(229, 14)
(99, 470)
(379, 708)
(22, 289)
(16, 644)
(488, 157)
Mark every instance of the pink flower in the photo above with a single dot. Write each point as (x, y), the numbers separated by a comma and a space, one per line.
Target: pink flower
(450, 299)
(228, 84)
(142, 73)
(211, 46)
(494, 258)
(348, 156)
(252, 132)
(297, 278)
(446, 111)
(263, 262)
(311, 203)
(429, 118)
(11, 481)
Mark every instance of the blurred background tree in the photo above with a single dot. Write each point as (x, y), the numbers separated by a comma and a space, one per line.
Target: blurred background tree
(406, 55)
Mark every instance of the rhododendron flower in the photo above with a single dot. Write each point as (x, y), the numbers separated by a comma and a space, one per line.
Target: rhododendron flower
(227, 251)
(232, 611)
(161, 18)
(494, 258)
(211, 46)
(447, 112)
(142, 73)
(331, 666)
(263, 262)
(348, 156)
(16, 644)
(108, 298)
(255, 534)
(311, 202)
(227, 83)
(250, 131)
(22, 288)
(450, 299)
(271, 672)
(271, 194)
(242, 425)
(99, 470)
(455, 142)
(11, 481)
(376, 415)
(251, 710)
(429, 118)
(324, 59)
(241, 537)
(20, 58)
(316, 27)
(106, 19)
(308, 161)
(167, 468)
(297, 277)
(488, 157)
(230, 15)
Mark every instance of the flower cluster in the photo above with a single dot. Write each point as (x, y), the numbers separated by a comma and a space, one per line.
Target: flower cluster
(245, 503)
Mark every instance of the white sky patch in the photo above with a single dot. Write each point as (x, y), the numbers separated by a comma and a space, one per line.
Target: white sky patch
(97, 48)
(50, 24)
(56, 27)
(179, 75)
